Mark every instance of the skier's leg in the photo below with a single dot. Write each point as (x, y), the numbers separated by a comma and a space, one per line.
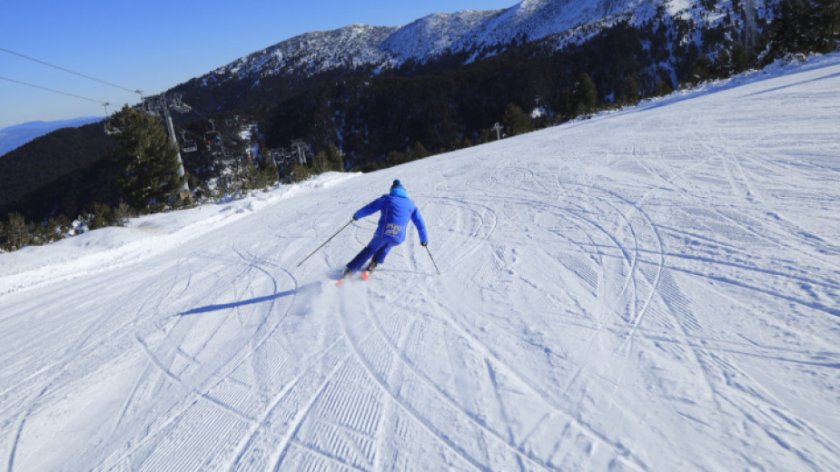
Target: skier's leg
(360, 259)
(379, 256)
(365, 254)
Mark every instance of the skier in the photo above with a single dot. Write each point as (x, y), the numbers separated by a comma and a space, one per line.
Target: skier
(396, 210)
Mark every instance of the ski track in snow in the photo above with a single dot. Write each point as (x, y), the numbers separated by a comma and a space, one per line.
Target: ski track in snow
(650, 289)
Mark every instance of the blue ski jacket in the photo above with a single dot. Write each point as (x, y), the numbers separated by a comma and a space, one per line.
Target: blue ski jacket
(396, 210)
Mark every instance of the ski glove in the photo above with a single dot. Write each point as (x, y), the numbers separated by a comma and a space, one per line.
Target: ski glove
(424, 244)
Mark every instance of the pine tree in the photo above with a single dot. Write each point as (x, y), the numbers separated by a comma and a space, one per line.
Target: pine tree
(329, 158)
(418, 151)
(787, 27)
(334, 159)
(122, 212)
(586, 94)
(629, 91)
(803, 26)
(16, 232)
(268, 170)
(59, 225)
(47, 232)
(147, 159)
(663, 85)
(826, 14)
(515, 120)
(101, 216)
(248, 176)
(299, 173)
(701, 69)
(396, 158)
(739, 58)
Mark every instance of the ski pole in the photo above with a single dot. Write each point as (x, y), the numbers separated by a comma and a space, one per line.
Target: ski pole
(432, 258)
(325, 243)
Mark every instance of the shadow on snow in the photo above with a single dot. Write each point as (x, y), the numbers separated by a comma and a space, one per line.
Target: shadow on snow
(251, 301)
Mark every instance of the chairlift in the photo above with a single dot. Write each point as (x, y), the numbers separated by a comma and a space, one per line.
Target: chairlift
(178, 105)
(189, 145)
(149, 107)
(181, 107)
(213, 138)
(110, 129)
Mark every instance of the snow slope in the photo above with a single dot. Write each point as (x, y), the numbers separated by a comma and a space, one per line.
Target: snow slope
(652, 289)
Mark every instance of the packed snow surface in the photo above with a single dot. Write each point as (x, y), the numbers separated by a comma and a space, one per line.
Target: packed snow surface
(651, 289)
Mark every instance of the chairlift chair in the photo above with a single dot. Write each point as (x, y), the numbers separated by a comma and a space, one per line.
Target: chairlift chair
(189, 146)
(213, 138)
(178, 105)
(110, 129)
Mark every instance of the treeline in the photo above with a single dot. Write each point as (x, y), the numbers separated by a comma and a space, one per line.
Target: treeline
(139, 174)
(422, 109)
(431, 108)
(805, 26)
(17, 232)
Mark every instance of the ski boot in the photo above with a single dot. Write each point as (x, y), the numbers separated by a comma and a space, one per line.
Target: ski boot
(368, 270)
(340, 281)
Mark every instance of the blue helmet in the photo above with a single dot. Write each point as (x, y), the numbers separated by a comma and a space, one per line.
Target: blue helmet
(398, 190)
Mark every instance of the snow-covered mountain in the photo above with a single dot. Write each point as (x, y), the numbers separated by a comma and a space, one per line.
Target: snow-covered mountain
(561, 21)
(652, 289)
(354, 46)
(15, 136)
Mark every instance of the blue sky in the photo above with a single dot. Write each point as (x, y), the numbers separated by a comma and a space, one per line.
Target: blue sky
(154, 44)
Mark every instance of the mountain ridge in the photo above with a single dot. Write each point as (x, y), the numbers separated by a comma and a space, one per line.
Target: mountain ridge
(424, 39)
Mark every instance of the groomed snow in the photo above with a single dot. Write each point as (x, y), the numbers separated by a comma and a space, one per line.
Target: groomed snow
(651, 289)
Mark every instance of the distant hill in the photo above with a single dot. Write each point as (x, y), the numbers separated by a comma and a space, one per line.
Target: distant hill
(62, 172)
(16, 136)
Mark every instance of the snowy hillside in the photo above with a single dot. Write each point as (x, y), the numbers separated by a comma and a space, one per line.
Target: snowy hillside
(428, 37)
(355, 46)
(652, 289)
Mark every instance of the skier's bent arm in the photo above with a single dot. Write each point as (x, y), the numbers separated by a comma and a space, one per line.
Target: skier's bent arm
(369, 209)
(417, 219)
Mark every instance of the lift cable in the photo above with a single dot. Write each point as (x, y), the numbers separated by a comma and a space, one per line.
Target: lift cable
(101, 102)
(137, 91)
(64, 69)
